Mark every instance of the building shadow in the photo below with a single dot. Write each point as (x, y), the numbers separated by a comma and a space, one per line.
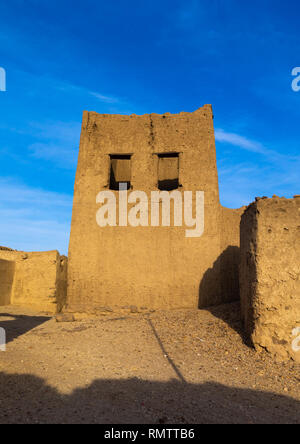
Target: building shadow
(18, 325)
(220, 284)
(230, 313)
(219, 291)
(28, 399)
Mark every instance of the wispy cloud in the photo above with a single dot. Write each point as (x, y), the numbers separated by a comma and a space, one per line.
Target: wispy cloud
(57, 130)
(265, 173)
(103, 98)
(57, 142)
(39, 85)
(62, 157)
(18, 193)
(239, 141)
(53, 141)
(82, 90)
(33, 219)
(251, 145)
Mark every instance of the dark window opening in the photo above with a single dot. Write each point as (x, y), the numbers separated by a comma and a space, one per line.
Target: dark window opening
(168, 171)
(120, 171)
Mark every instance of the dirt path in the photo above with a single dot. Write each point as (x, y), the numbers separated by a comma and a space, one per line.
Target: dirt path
(166, 367)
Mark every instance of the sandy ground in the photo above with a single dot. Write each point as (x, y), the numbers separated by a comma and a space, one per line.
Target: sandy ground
(164, 367)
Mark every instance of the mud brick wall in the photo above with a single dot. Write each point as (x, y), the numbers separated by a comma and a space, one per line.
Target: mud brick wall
(154, 267)
(270, 274)
(37, 280)
(7, 272)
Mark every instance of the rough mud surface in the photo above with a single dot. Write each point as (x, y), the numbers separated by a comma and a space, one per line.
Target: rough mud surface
(164, 367)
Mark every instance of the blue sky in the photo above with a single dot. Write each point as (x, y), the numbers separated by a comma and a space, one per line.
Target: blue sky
(62, 57)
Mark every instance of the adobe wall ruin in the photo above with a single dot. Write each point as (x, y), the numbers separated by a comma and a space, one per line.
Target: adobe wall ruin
(270, 275)
(35, 280)
(153, 267)
(7, 273)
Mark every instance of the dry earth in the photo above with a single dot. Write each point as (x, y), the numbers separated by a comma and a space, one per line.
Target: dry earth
(164, 367)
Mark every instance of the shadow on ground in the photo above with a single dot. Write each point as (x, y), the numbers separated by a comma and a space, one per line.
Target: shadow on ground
(18, 325)
(27, 399)
(231, 314)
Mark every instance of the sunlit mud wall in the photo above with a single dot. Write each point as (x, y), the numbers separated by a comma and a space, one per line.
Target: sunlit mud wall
(153, 267)
(270, 275)
(34, 280)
